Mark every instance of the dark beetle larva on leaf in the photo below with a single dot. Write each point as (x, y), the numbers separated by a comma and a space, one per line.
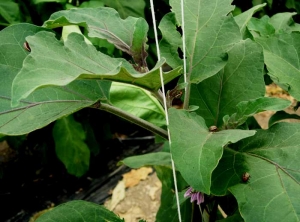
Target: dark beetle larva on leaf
(245, 177)
(213, 129)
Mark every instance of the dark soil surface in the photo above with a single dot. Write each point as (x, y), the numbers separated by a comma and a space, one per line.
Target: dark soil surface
(33, 179)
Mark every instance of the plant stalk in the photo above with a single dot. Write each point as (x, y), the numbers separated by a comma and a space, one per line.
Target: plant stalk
(187, 94)
(136, 120)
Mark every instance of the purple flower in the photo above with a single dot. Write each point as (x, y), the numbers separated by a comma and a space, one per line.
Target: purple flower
(194, 195)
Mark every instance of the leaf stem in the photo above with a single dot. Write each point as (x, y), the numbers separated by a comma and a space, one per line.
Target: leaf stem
(136, 120)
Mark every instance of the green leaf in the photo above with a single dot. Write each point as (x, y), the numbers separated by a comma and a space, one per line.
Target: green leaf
(10, 11)
(70, 146)
(92, 4)
(261, 27)
(166, 211)
(246, 109)
(271, 158)
(283, 22)
(281, 115)
(195, 150)
(171, 40)
(46, 104)
(210, 32)
(138, 102)
(281, 53)
(128, 7)
(243, 18)
(150, 159)
(129, 35)
(79, 211)
(53, 63)
(240, 80)
(43, 1)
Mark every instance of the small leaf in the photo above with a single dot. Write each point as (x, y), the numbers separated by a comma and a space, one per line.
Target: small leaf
(195, 150)
(283, 22)
(210, 32)
(151, 159)
(243, 18)
(260, 27)
(249, 108)
(281, 53)
(171, 40)
(271, 158)
(138, 102)
(70, 146)
(53, 63)
(79, 211)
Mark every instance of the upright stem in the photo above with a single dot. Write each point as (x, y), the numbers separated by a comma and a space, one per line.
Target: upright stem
(136, 120)
(187, 94)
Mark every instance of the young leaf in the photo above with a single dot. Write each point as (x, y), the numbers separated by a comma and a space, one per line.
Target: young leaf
(271, 158)
(70, 146)
(196, 151)
(249, 108)
(46, 104)
(243, 18)
(138, 102)
(241, 80)
(281, 53)
(79, 211)
(53, 63)
(210, 32)
(261, 27)
(129, 35)
(283, 22)
(171, 41)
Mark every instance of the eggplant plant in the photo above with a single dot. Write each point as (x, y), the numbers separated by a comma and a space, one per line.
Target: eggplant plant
(233, 170)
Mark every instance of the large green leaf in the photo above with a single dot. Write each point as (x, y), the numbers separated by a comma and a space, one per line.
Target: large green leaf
(46, 104)
(79, 211)
(271, 157)
(52, 62)
(281, 53)
(129, 35)
(249, 108)
(128, 7)
(210, 32)
(138, 102)
(240, 80)
(70, 146)
(196, 151)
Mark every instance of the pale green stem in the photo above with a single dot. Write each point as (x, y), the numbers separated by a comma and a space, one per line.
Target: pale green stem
(187, 94)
